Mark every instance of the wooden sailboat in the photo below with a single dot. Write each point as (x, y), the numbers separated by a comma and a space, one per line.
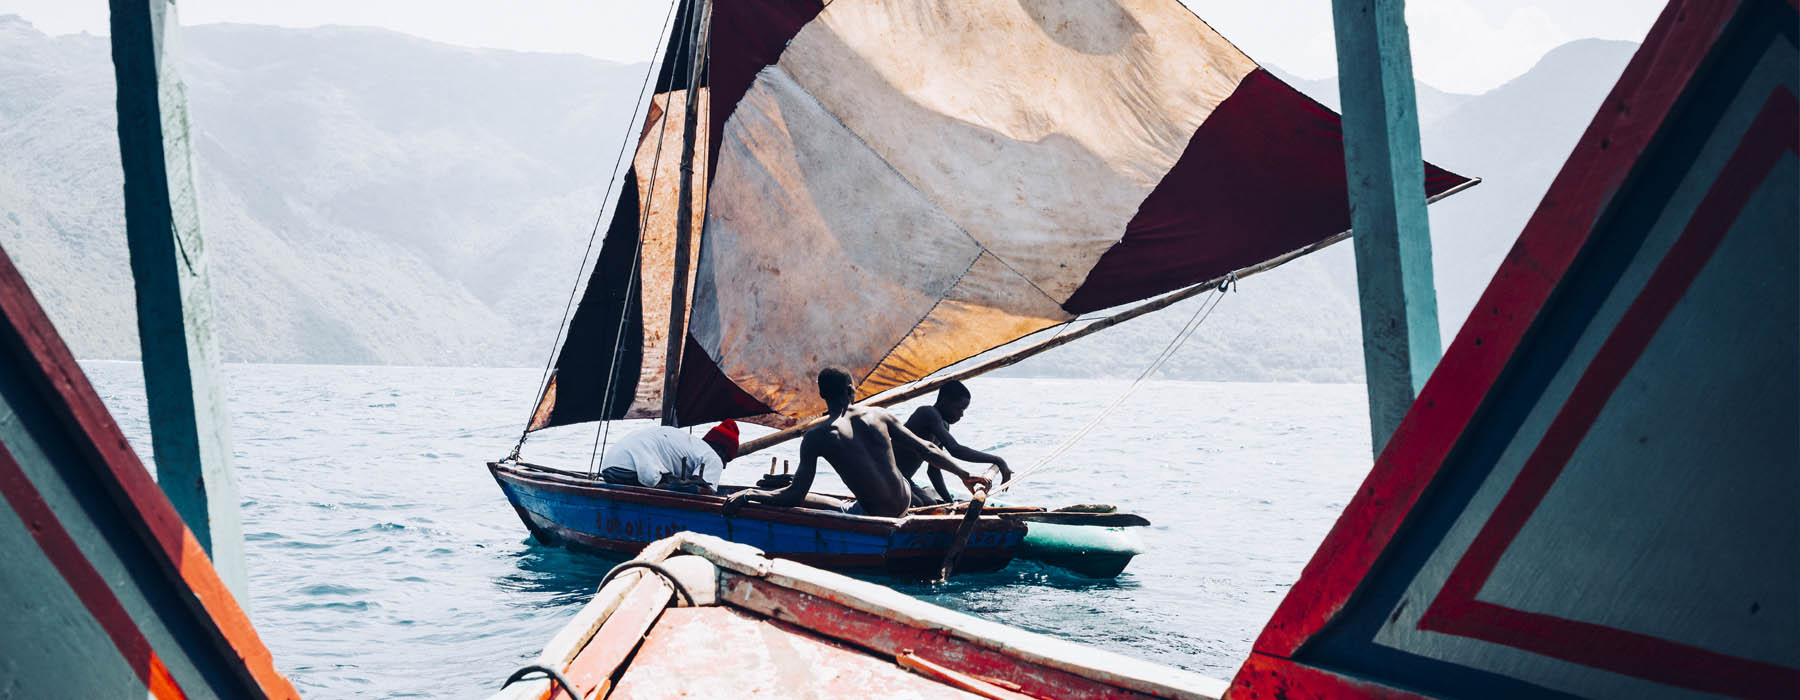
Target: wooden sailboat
(881, 188)
(696, 616)
(1590, 498)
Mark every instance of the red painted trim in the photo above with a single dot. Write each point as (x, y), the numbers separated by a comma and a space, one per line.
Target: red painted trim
(619, 636)
(84, 579)
(1774, 134)
(1264, 676)
(42, 354)
(888, 637)
(1601, 163)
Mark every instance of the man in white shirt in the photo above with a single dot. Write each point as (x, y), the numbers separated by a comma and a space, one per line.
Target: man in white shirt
(668, 458)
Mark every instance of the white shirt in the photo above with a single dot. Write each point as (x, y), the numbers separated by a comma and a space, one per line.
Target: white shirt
(662, 451)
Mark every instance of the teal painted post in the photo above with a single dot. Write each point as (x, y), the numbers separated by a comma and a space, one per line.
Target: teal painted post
(1387, 207)
(174, 303)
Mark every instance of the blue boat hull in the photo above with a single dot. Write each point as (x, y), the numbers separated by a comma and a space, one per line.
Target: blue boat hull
(573, 511)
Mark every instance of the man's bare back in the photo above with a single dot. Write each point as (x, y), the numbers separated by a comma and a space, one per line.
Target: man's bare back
(859, 443)
(860, 446)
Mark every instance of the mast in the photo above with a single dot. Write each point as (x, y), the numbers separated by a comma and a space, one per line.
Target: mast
(188, 434)
(1387, 208)
(684, 212)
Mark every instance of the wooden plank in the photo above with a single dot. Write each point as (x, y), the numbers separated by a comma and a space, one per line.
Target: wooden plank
(569, 641)
(985, 687)
(599, 660)
(1387, 207)
(174, 302)
(726, 652)
(889, 605)
(892, 637)
(1087, 519)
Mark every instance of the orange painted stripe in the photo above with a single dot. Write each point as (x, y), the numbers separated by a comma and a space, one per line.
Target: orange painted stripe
(162, 686)
(87, 583)
(40, 351)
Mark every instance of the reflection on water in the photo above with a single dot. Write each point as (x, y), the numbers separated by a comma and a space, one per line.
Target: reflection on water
(553, 577)
(384, 561)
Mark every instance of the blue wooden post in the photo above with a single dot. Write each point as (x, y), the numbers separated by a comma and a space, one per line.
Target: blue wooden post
(174, 303)
(1387, 207)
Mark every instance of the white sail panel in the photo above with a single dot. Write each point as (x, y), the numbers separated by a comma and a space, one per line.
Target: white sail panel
(1039, 126)
(816, 253)
(989, 307)
(913, 183)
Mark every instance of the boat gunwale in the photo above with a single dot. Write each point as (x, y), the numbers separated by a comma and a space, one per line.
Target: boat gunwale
(734, 560)
(566, 482)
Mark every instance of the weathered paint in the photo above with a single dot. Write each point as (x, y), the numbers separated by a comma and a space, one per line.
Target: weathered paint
(101, 573)
(168, 267)
(586, 514)
(766, 659)
(784, 629)
(1590, 497)
(1387, 207)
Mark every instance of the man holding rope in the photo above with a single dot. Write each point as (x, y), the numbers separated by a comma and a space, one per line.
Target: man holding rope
(859, 442)
(933, 423)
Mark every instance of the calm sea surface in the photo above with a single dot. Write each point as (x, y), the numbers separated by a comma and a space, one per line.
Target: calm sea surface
(384, 562)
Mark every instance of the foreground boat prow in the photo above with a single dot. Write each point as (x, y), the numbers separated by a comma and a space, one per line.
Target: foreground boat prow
(761, 626)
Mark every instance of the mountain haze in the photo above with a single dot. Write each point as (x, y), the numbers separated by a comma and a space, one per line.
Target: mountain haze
(369, 197)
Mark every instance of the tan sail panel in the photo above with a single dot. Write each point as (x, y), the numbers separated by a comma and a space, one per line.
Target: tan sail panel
(657, 210)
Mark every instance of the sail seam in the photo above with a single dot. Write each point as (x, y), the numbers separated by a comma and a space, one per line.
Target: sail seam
(928, 312)
(914, 187)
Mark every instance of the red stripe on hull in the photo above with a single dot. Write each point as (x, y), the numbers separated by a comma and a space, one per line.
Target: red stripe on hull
(84, 579)
(43, 356)
(1603, 160)
(891, 638)
(1774, 134)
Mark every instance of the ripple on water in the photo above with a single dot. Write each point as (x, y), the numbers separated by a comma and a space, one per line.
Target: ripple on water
(347, 586)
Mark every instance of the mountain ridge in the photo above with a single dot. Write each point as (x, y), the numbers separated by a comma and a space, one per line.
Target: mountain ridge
(369, 197)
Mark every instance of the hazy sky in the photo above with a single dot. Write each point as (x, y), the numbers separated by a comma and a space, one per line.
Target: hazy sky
(1458, 45)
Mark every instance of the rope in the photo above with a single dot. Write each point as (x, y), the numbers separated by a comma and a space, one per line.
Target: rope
(568, 306)
(655, 569)
(551, 673)
(603, 431)
(1199, 316)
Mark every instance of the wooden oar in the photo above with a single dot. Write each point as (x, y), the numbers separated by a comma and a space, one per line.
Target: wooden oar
(977, 498)
(1091, 519)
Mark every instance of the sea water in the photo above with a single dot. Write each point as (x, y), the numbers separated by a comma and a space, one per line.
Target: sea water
(384, 561)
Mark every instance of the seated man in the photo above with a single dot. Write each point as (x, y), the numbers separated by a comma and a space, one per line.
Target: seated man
(859, 443)
(933, 423)
(668, 458)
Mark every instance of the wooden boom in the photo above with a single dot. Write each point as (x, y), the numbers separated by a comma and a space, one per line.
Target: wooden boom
(925, 387)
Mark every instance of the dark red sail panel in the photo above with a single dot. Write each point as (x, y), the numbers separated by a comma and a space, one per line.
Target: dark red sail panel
(703, 394)
(1264, 175)
(747, 36)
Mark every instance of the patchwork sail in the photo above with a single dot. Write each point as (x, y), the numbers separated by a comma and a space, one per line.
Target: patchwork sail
(893, 186)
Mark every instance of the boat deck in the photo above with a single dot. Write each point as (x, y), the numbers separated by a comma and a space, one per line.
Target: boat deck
(718, 652)
(697, 616)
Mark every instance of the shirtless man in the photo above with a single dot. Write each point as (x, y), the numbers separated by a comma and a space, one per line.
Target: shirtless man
(859, 443)
(933, 423)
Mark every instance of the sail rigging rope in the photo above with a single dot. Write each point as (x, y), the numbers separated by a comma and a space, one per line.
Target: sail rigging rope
(580, 272)
(1199, 316)
(603, 431)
